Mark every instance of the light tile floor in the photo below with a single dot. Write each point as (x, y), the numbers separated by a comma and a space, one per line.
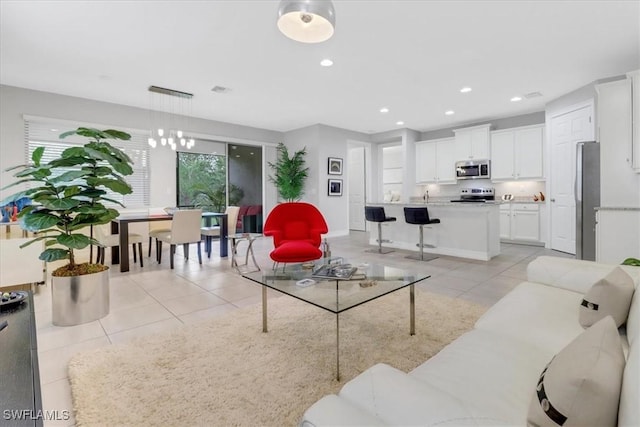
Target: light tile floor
(155, 299)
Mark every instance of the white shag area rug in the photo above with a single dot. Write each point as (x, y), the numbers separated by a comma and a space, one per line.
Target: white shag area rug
(226, 372)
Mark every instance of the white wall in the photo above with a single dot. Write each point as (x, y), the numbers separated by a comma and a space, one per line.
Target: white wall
(16, 102)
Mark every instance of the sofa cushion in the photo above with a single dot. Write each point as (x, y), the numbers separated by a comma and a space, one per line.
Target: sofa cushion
(609, 296)
(530, 311)
(400, 399)
(581, 384)
(491, 373)
(629, 410)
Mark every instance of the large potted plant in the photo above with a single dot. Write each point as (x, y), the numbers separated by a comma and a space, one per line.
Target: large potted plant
(69, 195)
(290, 173)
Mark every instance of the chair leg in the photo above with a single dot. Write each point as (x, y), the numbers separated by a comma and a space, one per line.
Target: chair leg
(380, 237)
(150, 238)
(159, 251)
(140, 250)
(172, 251)
(102, 251)
(135, 258)
(199, 254)
(185, 249)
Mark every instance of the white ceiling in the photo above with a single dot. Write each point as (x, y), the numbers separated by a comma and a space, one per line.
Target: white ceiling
(410, 56)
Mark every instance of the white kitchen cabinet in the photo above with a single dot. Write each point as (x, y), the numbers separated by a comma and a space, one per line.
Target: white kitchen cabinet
(472, 143)
(619, 183)
(520, 222)
(435, 161)
(517, 153)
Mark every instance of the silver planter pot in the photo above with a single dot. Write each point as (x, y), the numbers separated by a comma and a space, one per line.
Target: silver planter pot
(80, 299)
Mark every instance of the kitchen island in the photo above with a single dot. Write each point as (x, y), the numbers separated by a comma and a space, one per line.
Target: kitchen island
(466, 230)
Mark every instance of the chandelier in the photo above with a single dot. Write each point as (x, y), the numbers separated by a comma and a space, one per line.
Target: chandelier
(169, 113)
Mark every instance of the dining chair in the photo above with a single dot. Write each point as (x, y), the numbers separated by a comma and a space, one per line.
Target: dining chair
(108, 240)
(185, 229)
(156, 227)
(214, 231)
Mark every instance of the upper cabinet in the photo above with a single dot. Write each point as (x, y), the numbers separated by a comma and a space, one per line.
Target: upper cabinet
(472, 143)
(517, 153)
(435, 161)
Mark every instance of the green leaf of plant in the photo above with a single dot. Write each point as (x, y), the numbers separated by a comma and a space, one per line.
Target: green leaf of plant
(38, 221)
(37, 155)
(74, 241)
(54, 254)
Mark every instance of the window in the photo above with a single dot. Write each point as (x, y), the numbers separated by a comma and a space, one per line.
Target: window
(202, 181)
(45, 133)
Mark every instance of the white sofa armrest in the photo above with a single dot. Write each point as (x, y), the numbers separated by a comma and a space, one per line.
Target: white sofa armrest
(332, 410)
(571, 274)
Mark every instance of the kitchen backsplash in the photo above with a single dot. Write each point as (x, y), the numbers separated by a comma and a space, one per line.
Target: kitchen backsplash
(521, 190)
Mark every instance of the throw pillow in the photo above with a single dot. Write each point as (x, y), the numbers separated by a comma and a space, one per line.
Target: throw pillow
(581, 385)
(610, 295)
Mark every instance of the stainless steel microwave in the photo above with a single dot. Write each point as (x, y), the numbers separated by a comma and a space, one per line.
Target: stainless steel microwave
(473, 169)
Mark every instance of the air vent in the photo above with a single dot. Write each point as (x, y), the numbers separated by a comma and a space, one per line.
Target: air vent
(532, 95)
(220, 89)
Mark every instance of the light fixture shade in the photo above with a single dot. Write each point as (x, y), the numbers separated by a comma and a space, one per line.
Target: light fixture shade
(307, 21)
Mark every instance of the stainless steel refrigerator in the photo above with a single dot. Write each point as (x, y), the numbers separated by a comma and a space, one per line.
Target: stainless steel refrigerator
(587, 192)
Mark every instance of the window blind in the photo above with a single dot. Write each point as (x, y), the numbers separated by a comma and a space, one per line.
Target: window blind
(44, 133)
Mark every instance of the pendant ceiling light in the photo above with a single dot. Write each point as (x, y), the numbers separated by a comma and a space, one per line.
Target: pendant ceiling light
(169, 110)
(307, 21)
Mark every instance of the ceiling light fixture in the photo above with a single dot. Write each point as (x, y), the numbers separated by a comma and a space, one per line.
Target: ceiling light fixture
(449, 112)
(326, 62)
(166, 104)
(307, 21)
(516, 99)
(384, 110)
(465, 89)
(400, 123)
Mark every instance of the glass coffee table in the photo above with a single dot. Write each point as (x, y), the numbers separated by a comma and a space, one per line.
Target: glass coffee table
(337, 294)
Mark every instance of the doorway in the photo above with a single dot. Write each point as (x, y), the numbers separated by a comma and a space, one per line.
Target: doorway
(357, 187)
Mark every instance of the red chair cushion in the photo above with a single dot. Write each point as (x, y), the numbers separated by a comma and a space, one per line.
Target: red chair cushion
(296, 230)
(254, 210)
(295, 251)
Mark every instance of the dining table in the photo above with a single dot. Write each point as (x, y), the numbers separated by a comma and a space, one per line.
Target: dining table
(120, 226)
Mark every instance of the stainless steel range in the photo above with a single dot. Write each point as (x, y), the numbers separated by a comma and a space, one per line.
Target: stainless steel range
(476, 195)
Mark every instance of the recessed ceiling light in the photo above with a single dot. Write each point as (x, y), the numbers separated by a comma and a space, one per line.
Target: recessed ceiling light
(326, 62)
(54, 130)
(400, 123)
(516, 99)
(449, 112)
(384, 110)
(465, 89)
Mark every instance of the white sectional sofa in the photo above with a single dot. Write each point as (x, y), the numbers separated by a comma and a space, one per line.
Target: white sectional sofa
(488, 375)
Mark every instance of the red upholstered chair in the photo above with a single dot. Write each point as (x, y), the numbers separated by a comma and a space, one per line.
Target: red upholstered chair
(296, 229)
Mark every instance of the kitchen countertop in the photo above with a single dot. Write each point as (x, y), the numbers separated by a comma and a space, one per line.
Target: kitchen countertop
(616, 208)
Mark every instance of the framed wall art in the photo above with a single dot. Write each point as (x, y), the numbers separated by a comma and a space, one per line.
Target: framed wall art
(335, 187)
(335, 166)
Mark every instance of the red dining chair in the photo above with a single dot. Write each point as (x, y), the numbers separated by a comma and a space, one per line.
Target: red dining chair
(296, 229)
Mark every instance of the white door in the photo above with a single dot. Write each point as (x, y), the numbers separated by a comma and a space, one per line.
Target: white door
(566, 130)
(356, 188)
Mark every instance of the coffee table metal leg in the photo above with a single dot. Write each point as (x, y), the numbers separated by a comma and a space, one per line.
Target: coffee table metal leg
(412, 310)
(264, 308)
(337, 346)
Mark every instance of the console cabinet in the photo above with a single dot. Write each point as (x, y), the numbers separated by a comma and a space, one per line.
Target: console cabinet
(435, 161)
(472, 143)
(517, 153)
(520, 222)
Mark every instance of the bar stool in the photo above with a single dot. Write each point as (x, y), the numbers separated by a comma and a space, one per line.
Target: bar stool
(376, 214)
(420, 216)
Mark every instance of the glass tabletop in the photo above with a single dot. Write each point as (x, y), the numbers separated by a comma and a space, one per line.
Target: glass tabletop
(367, 282)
